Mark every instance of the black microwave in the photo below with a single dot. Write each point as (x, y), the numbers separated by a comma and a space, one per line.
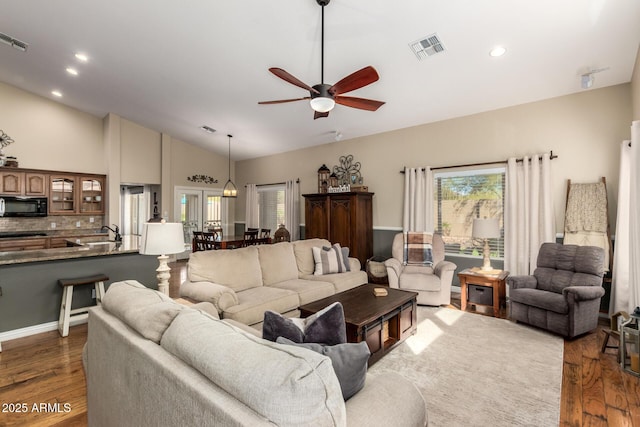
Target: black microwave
(11, 206)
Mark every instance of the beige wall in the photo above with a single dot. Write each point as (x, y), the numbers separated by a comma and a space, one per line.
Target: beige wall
(585, 130)
(50, 135)
(140, 154)
(635, 88)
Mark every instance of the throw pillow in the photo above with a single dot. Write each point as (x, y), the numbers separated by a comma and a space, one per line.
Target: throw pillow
(328, 260)
(345, 256)
(418, 249)
(349, 362)
(326, 326)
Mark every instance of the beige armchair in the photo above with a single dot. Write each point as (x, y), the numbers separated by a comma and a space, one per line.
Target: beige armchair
(433, 284)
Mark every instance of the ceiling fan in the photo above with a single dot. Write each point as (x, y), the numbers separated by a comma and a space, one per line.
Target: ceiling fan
(323, 97)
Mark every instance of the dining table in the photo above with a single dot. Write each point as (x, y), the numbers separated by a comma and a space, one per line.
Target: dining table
(233, 242)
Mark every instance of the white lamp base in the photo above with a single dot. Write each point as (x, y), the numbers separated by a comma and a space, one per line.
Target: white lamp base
(164, 273)
(486, 262)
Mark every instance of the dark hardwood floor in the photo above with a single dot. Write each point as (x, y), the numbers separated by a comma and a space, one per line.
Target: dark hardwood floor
(42, 376)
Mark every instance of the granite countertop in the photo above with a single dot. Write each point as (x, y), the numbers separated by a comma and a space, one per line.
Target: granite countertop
(84, 247)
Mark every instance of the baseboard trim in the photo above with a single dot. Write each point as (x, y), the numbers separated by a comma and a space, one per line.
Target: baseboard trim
(35, 329)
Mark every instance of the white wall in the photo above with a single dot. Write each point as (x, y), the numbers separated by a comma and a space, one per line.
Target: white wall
(583, 129)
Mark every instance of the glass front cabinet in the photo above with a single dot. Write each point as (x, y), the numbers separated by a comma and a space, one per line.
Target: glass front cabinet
(76, 194)
(62, 194)
(91, 195)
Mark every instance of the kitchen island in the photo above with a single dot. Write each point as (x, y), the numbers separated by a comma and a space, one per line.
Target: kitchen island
(29, 292)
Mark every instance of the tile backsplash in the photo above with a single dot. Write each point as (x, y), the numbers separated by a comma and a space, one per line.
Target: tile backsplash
(76, 224)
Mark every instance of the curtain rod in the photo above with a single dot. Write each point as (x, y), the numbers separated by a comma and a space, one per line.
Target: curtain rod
(551, 157)
(274, 183)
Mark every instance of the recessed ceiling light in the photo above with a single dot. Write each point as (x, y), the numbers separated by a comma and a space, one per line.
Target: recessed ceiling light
(72, 71)
(82, 57)
(498, 51)
(56, 93)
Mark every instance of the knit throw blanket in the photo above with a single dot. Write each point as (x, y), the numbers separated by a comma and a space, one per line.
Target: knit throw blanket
(418, 248)
(586, 208)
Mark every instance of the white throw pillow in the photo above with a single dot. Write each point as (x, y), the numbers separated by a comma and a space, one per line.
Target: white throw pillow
(328, 260)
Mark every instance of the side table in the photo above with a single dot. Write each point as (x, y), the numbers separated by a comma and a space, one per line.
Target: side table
(630, 345)
(480, 288)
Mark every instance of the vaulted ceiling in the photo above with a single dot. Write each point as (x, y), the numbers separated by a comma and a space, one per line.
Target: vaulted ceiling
(175, 66)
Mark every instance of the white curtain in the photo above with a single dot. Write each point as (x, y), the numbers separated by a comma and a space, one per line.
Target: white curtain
(529, 219)
(625, 290)
(292, 208)
(418, 199)
(252, 214)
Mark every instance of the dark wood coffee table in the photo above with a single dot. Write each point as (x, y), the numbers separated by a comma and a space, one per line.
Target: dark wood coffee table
(383, 322)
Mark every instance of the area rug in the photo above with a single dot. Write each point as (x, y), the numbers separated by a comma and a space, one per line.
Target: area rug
(475, 370)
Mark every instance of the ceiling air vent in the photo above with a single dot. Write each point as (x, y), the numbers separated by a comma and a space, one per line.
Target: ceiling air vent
(427, 46)
(20, 45)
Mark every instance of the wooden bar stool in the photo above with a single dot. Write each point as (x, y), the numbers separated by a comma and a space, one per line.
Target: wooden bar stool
(66, 313)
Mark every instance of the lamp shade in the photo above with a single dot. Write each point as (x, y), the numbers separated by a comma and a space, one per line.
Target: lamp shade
(162, 238)
(487, 228)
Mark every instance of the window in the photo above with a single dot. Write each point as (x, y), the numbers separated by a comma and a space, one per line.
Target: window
(460, 197)
(271, 202)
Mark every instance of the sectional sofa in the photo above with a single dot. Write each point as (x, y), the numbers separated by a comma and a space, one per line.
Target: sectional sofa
(243, 283)
(150, 361)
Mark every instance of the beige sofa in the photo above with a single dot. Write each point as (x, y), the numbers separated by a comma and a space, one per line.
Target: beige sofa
(152, 362)
(243, 283)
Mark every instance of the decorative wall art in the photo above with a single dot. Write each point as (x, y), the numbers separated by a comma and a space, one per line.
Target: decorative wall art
(202, 178)
(346, 176)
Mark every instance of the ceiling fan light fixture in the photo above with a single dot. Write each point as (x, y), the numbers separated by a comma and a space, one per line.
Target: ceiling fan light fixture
(322, 104)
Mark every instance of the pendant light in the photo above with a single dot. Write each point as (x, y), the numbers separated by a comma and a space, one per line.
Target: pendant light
(230, 189)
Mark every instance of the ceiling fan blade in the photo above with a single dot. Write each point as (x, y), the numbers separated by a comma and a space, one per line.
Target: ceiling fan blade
(361, 103)
(291, 79)
(356, 80)
(281, 101)
(317, 115)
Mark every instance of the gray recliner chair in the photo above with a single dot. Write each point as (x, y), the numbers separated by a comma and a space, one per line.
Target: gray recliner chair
(432, 283)
(563, 295)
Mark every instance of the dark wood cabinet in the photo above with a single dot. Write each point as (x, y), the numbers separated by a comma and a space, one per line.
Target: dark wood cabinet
(344, 218)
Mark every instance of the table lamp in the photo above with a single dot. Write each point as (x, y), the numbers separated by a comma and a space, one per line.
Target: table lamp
(487, 228)
(162, 238)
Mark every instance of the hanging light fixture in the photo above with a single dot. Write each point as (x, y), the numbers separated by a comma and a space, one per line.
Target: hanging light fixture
(229, 189)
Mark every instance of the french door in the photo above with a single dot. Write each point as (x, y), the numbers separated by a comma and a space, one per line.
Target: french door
(198, 209)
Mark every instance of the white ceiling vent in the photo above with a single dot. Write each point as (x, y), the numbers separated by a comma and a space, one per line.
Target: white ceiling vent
(427, 46)
(20, 45)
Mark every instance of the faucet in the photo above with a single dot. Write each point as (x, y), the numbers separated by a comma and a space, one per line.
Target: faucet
(118, 237)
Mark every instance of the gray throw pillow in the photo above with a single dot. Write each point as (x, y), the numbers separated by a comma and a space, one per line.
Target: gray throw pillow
(349, 362)
(345, 256)
(326, 326)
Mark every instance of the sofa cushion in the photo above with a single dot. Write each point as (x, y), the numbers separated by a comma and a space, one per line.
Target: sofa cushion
(546, 300)
(278, 263)
(285, 384)
(145, 310)
(343, 281)
(304, 255)
(252, 303)
(307, 290)
(327, 326)
(349, 361)
(328, 260)
(238, 269)
(419, 282)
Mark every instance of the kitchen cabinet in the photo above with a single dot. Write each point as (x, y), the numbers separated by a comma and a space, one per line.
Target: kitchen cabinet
(76, 194)
(17, 183)
(12, 183)
(7, 245)
(35, 184)
(91, 195)
(344, 218)
(62, 192)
